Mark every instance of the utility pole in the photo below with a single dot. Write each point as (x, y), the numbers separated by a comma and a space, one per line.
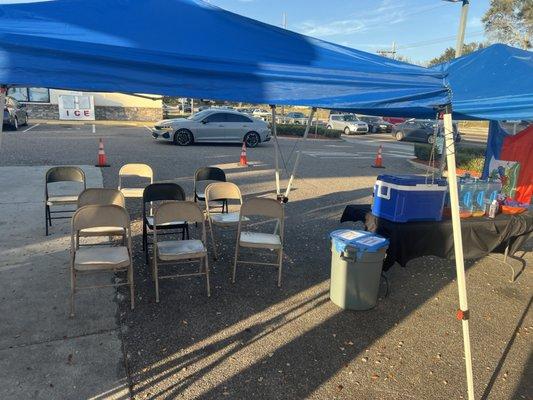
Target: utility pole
(389, 53)
(462, 29)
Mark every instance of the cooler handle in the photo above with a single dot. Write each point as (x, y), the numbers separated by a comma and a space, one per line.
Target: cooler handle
(380, 194)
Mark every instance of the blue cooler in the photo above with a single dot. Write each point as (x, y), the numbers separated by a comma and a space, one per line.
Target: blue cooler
(403, 198)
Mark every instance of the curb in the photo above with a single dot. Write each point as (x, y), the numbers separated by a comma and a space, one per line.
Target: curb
(76, 123)
(423, 167)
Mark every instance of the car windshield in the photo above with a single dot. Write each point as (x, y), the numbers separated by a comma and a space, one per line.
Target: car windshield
(349, 118)
(200, 115)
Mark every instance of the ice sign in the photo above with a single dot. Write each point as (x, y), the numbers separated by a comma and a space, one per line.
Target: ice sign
(352, 235)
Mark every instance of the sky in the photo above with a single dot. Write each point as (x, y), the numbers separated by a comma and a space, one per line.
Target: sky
(422, 29)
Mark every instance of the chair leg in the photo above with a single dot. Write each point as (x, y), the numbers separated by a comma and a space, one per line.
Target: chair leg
(280, 259)
(187, 230)
(206, 263)
(156, 280)
(144, 236)
(235, 261)
(46, 219)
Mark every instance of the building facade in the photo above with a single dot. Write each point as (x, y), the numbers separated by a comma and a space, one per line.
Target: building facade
(42, 103)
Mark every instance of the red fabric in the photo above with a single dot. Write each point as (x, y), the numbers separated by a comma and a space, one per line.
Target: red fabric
(520, 148)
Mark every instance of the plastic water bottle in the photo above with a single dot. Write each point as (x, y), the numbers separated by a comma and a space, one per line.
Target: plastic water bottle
(493, 210)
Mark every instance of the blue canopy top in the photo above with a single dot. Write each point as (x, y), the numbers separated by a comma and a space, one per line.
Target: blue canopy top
(494, 83)
(189, 48)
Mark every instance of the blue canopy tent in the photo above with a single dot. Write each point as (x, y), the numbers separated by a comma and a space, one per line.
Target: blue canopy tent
(494, 83)
(192, 49)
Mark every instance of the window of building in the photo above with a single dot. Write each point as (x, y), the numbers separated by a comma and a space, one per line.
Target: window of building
(32, 94)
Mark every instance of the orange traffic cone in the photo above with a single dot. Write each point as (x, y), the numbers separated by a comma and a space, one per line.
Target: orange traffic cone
(102, 159)
(378, 162)
(243, 161)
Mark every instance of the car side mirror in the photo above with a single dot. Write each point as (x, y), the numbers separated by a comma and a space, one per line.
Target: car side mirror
(204, 122)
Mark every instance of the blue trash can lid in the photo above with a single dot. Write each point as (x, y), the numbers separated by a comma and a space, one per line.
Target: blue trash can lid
(363, 241)
(411, 180)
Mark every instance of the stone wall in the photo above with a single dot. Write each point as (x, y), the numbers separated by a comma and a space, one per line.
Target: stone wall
(51, 111)
(128, 113)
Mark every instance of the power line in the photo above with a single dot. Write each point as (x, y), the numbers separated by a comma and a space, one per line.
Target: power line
(436, 40)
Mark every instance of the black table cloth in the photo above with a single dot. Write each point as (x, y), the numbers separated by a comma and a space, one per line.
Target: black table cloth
(409, 240)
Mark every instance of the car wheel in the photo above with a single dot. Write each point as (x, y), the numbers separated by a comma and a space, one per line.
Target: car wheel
(252, 139)
(15, 125)
(399, 136)
(183, 137)
(431, 139)
(346, 131)
(374, 130)
(25, 121)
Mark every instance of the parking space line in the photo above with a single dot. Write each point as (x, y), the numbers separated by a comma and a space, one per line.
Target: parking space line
(31, 127)
(147, 127)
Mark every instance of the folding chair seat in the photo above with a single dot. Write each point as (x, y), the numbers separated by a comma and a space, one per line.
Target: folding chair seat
(57, 175)
(91, 259)
(179, 251)
(260, 207)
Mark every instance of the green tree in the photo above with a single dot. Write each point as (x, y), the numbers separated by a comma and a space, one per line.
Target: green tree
(449, 53)
(510, 22)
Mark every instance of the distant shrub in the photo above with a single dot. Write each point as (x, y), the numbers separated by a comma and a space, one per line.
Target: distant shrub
(467, 158)
(299, 130)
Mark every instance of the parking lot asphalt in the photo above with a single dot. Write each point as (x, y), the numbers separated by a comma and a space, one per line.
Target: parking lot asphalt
(254, 340)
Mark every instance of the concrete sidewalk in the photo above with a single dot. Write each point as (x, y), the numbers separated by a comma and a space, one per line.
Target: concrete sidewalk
(43, 353)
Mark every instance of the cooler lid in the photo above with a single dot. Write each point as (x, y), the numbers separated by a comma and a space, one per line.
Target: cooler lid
(412, 180)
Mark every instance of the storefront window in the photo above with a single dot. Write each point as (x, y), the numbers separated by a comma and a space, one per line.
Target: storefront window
(37, 95)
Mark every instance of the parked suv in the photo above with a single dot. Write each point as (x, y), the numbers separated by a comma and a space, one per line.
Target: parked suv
(348, 123)
(15, 114)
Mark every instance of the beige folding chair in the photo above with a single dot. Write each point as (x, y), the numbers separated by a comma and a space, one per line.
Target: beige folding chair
(134, 171)
(214, 194)
(179, 251)
(260, 207)
(102, 197)
(89, 259)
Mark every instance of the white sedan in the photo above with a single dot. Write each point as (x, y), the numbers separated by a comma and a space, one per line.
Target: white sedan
(213, 126)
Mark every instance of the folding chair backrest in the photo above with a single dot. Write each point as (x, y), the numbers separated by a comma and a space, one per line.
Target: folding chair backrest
(101, 196)
(65, 174)
(136, 170)
(178, 211)
(163, 191)
(209, 174)
(222, 191)
(262, 207)
(100, 215)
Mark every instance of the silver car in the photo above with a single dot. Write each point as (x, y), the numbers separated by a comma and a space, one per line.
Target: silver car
(213, 126)
(347, 123)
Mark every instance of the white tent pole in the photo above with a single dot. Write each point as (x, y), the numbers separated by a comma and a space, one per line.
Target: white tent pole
(297, 161)
(463, 312)
(276, 148)
(3, 91)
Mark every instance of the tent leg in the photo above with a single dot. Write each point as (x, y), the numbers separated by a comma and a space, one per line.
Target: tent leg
(297, 161)
(3, 92)
(463, 313)
(276, 148)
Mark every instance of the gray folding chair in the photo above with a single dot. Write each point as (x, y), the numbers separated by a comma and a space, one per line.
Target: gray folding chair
(214, 193)
(179, 251)
(56, 175)
(101, 197)
(134, 171)
(91, 259)
(260, 207)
